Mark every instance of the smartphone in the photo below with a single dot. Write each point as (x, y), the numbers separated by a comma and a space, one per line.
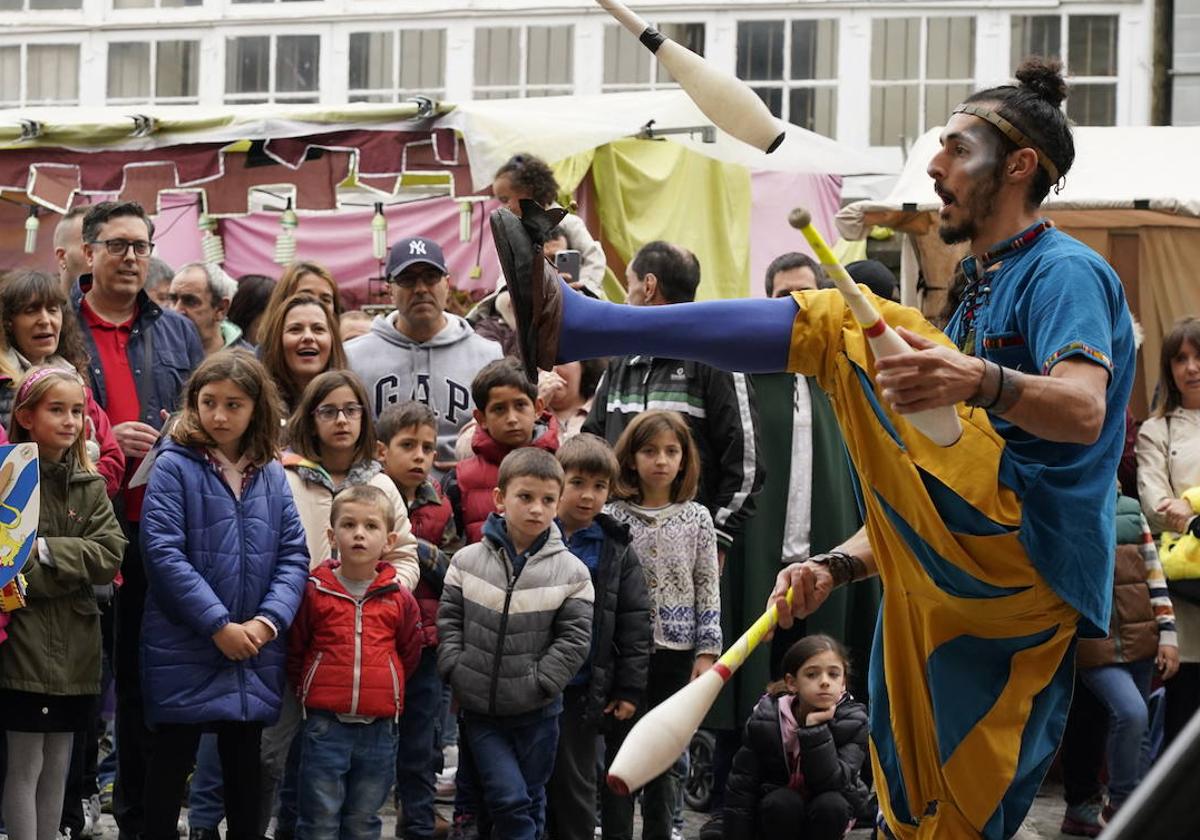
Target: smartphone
(566, 261)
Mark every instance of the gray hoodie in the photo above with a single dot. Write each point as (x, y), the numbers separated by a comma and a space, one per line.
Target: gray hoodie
(437, 372)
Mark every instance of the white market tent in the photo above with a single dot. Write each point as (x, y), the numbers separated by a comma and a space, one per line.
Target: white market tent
(1133, 194)
(237, 163)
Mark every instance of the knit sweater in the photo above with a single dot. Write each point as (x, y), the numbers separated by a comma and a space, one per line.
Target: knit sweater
(677, 545)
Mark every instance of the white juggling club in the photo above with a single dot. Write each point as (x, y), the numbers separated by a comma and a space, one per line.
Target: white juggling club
(726, 100)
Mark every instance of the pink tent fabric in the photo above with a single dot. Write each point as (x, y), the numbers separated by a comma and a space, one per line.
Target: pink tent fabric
(774, 194)
(342, 243)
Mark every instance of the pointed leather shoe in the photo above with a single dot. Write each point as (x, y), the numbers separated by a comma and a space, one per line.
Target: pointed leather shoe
(532, 283)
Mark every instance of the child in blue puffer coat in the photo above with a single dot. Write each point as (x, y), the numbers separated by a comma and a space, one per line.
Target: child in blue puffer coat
(226, 561)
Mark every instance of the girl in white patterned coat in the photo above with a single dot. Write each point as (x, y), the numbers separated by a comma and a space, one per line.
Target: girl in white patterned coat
(674, 537)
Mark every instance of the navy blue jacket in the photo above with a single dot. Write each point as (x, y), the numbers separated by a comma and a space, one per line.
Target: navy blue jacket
(164, 348)
(211, 559)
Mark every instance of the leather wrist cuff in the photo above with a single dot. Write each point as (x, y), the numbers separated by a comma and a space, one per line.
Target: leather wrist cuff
(990, 386)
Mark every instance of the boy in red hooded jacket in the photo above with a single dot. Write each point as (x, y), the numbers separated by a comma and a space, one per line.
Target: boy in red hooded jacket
(351, 647)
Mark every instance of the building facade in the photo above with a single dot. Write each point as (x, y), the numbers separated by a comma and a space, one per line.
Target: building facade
(873, 73)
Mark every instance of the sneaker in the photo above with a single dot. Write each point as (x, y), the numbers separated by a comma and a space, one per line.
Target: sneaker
(449, 756)
(91, 811)
(444, 792)
(676, 834)
(1084, 820)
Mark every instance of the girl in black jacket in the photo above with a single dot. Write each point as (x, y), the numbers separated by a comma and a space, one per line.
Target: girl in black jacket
(797, 773)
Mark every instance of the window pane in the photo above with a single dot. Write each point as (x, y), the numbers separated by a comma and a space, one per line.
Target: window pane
(939, 99)
(1092, 48)
(497, 56)
(1035, 35)
(134, 4)
(176, 4)
(690, 35)
(10, 75)
(550, 55)
(129, 71)
(893, 114)
(626, 61)
(177, 70)
(55, 4)
(423, 60)
(10, 5)
(814, 49)
(1093, 104)
(895, 48)
(247, 64)
(760, 49)
(814, 109)
(297, 63)
(774, 99)
(52, 73)
(950, 48)
(371, 60)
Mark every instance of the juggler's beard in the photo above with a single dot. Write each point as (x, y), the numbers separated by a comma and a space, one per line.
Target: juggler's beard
(979, 205)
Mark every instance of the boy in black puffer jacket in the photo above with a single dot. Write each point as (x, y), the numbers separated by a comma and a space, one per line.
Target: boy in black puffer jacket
(612, 681)
(797, 773)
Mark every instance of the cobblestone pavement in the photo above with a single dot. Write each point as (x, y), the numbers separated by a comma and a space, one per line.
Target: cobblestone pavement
(1045, 818)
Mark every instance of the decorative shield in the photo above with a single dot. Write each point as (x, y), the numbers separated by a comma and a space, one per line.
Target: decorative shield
(20, 505)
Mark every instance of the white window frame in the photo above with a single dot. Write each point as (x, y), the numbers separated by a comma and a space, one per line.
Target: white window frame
(112, 9)
(397, 93)
(26, 8)
(23, 100)
(655, 83)
(787, 84)
(522, 86)
(271, 95)
(1064, 51)
(921, 80)
(153, 98)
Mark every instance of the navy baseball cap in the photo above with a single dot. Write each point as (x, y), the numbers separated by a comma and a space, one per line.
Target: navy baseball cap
(413, 250)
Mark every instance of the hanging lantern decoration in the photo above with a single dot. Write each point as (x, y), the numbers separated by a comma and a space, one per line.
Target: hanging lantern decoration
(32, 223)
(465, 209)
(210, 241)
(285, 243)
(379, 232)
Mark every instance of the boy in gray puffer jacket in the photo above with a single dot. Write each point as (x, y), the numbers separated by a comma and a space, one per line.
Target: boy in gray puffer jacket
(515, 624)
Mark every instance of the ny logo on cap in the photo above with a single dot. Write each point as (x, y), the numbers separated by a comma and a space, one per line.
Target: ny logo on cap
(416, 247)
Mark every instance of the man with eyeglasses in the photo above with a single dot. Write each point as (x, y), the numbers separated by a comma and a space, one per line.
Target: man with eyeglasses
(141, 357)
(420, 351)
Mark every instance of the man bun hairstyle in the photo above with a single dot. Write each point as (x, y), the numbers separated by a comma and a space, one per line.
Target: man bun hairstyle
(1034, 108)
(1044, 77)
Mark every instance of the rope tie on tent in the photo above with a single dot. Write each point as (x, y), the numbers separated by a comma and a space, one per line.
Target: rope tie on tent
(1014, 134)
